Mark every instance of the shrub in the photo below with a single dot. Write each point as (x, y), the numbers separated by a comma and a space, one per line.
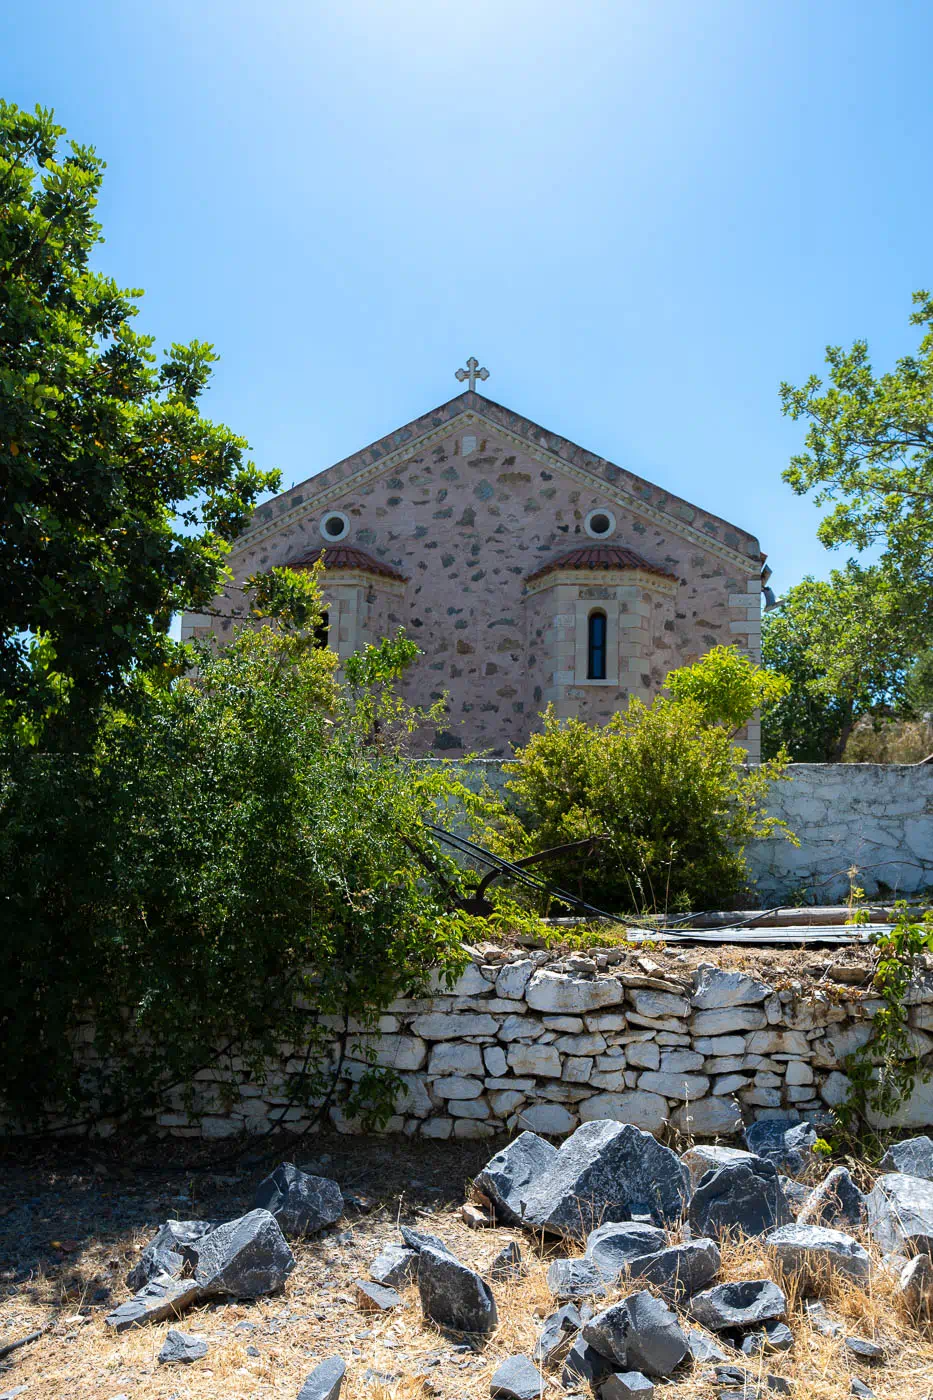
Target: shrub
(661, 789)
(236, 865)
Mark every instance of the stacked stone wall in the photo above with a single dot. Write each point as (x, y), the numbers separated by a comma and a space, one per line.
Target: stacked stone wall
(525, 1040)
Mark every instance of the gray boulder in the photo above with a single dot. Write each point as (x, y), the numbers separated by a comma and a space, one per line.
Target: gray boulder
(418, 1240)
(179, 1347)
(913, 1157)
(679, 1271)
(506, 1178)
(639, 1334)
(703, 1348)
(706, 1158)
(812, 1253)
(557, 1330)
(164, 1254)
(741, 1198)
(626, 1385)
(395, 1266)
(508, 1263)
(517, 1378)
(613, 1246)
(157, 1300)
(900, 1213)
(375, 1297)
(787, 1147)
(836, 1202)
(324, 1381)
(453, 1295)
(575, 1278)
(584, 1364)
(302, 1204)
(743, 1304)
(914, 1288)
(774, 1336)
(607, 1171)
(244, 1258)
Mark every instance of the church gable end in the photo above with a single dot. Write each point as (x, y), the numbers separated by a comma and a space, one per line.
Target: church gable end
(469, 517)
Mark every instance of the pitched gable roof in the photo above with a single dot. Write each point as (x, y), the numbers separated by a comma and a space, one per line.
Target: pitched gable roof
(599, 556)
(341, 556)
(641, 497)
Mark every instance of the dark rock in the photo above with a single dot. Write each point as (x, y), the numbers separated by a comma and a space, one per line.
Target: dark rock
(454, 1295)
(640, 1333)
(395, 1266)
(864, 1349)
(178, 1347)
(607, 1171)
(740, 1198)
(797, 1193)
(302, 1204)
(703, 1348)
(164, 1254)
(558, 1328)
(245, 1258)
(626, 1385)
(836, 1202)
(789, 1148)
(900, 1213)
(612, 1246)
(324, 1381)
(508, 1263)
(575, 1278)
(420, 1239)
(914, 1287)
(738, 1381)
(160, 1298)
(680, 1270)
(913, 1157)
(506, 1177)
(517, 1379)
(375, 1297)
(743, 1304)
(384, 1378)
(774, 1336)
(812, 1253)
(859, 1388)
(585, 1363)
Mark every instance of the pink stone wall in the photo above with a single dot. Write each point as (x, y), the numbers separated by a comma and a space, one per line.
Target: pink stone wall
(466, 518)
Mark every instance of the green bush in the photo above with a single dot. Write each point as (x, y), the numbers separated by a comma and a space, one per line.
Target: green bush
(662, 790)
(234, 862)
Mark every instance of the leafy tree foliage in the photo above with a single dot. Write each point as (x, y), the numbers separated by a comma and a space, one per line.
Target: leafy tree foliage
(846, 646)
(661, 790)
(869, 451)
(234, 865)
(117, 498)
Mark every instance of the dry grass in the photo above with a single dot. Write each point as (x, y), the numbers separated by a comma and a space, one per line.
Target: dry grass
(80, 1359)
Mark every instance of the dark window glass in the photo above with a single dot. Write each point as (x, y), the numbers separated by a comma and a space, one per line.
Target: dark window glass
(596, 649)
(322, 631)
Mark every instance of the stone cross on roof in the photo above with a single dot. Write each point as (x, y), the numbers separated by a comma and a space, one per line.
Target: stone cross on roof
(472, 372)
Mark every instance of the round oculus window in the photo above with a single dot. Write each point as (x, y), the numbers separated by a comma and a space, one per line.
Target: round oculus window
(334, 525)
(600, 524)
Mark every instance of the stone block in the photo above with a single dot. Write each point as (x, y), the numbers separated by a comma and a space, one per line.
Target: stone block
(455, 1057)
(535, 1059)
(438, 1025)
(643, 1110)
(727, 1022)
(551, 991)
(674, 1086)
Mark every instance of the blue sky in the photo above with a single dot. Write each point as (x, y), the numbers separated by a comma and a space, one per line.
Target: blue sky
(641, 216)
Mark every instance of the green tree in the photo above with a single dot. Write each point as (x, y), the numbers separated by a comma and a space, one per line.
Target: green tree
(234, 866)
(845, 645)
(727, 687)
(117, 498)
(869, 452)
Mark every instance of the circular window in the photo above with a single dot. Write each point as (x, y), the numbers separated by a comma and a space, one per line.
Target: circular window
(334, 525)
(599, 524)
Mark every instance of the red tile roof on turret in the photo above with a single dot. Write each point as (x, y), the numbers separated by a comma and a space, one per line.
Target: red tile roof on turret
(599, 556)
(342, 556)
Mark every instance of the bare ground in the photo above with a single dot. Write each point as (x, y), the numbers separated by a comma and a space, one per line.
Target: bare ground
(72, 1224)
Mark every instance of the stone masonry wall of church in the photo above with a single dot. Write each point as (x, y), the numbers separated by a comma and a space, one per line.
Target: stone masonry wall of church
(467, 528)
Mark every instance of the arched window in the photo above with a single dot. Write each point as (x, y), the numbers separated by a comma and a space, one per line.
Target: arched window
(322, 631)
(596, 647)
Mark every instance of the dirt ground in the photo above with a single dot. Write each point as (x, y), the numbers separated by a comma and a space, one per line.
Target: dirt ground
(72, 1223)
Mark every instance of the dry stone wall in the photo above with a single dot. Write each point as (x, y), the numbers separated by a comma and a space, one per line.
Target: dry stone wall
(525, 1040)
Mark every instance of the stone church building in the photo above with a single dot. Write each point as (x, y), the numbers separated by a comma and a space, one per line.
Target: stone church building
(527, 569)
